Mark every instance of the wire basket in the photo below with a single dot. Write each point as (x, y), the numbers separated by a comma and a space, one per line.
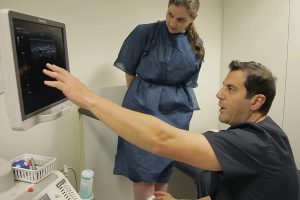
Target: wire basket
(43, 167)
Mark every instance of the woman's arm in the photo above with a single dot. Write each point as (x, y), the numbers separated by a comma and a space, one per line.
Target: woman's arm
(129, 79)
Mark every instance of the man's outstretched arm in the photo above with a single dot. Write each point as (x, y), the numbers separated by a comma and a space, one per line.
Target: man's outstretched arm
(143, 130)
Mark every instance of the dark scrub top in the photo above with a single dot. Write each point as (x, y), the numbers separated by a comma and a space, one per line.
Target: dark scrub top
(167, 69)
(257, 163)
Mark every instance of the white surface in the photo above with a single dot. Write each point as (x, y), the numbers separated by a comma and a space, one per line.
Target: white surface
(13, 99)
(1, 85)
(6, 176)
(1, 79)
(252, 31)
(44, 166)
(292, 97)
(48, 186)
(100, 145)
(2, 50)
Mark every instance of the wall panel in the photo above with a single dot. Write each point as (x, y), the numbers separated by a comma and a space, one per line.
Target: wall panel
(292, 95)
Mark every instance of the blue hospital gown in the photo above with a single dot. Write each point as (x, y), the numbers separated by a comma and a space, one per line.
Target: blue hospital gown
(167, 69)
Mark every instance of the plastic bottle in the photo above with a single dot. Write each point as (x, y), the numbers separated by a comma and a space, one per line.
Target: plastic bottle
(86, 184)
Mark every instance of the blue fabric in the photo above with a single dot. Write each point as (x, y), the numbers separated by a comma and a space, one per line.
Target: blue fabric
(167, 69)
(257, 163)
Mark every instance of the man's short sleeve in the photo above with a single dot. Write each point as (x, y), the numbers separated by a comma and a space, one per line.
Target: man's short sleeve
(240, 151)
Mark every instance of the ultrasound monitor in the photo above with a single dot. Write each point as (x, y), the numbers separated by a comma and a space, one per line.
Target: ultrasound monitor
(27, 44)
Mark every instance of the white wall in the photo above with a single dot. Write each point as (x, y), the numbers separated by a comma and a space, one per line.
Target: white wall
(95, 32)
(209, 23)
(260, 30)
(292, 97)
(252, 30)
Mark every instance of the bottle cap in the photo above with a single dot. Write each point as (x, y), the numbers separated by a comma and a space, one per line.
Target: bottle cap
(87, 173)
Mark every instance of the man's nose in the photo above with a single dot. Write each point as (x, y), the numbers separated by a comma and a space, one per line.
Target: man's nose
(219, 94)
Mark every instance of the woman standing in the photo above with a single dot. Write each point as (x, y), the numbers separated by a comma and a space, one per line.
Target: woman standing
(161, 61)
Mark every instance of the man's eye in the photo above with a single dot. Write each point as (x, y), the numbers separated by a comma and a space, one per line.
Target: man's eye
(231, 89)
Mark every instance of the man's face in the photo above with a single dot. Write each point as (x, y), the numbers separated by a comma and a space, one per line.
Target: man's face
(234, 107)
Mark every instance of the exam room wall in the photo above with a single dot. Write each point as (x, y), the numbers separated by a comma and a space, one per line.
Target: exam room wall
(95, 32)
(267, 31)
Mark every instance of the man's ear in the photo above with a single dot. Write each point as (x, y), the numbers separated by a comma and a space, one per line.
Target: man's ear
(257, 101)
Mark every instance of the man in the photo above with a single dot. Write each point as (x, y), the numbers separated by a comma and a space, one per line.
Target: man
(252, 159)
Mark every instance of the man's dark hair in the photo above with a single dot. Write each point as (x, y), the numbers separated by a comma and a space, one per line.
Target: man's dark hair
(259, 80)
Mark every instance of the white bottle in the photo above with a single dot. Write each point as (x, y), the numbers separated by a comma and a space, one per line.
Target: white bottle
(86, 184)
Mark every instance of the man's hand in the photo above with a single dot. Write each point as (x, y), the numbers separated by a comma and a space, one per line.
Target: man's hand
(159, 195)
(68, 84)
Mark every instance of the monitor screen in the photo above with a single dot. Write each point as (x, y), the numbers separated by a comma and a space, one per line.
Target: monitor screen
(36, 44)
(29, 43)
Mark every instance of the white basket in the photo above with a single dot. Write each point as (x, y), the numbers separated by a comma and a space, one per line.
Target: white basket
(44, 166)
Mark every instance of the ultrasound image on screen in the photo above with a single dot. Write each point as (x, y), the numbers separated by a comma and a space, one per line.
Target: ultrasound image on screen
(42, 50)
(36, 45)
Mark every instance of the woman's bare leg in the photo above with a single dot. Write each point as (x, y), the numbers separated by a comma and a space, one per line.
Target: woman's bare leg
(161, 187)
(143, 190)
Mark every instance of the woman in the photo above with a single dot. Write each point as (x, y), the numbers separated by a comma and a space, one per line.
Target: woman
(161, 61)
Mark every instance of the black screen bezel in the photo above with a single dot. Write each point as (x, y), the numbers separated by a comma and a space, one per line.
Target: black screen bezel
(43, 22)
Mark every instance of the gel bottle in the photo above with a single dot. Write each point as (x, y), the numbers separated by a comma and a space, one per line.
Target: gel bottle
(86, 184)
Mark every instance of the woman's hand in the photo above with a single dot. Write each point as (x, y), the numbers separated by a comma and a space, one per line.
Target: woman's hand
(72, 88)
